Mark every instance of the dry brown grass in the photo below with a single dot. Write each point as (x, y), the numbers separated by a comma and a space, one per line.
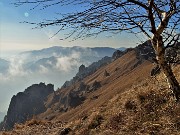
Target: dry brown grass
(147, 108)
(36, 127)
(35, 122)
(135, 106)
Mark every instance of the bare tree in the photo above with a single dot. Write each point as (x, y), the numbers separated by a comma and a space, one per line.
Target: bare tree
(158, 20)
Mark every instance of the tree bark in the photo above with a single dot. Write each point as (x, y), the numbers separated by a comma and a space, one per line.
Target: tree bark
(173, 83)
(166, 68)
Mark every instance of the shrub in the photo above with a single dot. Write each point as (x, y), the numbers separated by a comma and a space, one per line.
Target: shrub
(95, 122)
(115, 122)
(130, 105)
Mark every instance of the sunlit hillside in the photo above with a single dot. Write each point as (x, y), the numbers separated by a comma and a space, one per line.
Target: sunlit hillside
(127, 101)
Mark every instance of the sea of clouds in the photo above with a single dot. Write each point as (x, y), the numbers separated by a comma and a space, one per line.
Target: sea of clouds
(30, 68)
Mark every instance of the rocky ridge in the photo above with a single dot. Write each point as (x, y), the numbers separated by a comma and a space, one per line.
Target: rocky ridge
(94, 78)
(144, 107)
(72, 94)
(27, 104)
(86, 71)
(75, 92)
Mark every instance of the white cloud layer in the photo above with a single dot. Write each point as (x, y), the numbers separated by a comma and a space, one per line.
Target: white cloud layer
(66, 63)
(19, 76)
(30, 68)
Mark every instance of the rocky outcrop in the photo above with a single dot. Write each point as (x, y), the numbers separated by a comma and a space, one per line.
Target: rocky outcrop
(74, 99)
(82, 68)
(145, 51)
(63, 100)
(86, 71)
(117, 54)
(95, 86)
(76, 96)
(93, 67)
(106, 73)
(67, 83)
(81, 73)
(26, 104)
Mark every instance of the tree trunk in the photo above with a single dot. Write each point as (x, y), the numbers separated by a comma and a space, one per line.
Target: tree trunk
(173, 83)
(166, 68)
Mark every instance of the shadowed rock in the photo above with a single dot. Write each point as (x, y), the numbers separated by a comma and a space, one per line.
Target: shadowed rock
(106, 73)
(26, 104)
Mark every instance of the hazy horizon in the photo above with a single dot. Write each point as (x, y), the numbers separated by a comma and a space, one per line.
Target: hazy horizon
(52, 66)
(16, 37)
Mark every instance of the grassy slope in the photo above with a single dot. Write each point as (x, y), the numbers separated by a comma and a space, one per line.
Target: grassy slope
(128, 102)
(123, 73)
(147, 108)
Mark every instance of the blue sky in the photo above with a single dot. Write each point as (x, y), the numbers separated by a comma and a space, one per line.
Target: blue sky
(16, 36)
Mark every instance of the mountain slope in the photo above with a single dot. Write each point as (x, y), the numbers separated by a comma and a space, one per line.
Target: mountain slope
(67, 98)
(146, 107)
(142, 107)
(123, 74)
(118, 98)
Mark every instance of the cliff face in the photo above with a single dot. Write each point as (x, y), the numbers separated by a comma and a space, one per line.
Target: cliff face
(26, 104)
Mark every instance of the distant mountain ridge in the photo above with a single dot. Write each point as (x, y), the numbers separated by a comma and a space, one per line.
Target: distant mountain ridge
(59, 50)
(76, 54)
(33, 60)
(47, 57)
(60, 59)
